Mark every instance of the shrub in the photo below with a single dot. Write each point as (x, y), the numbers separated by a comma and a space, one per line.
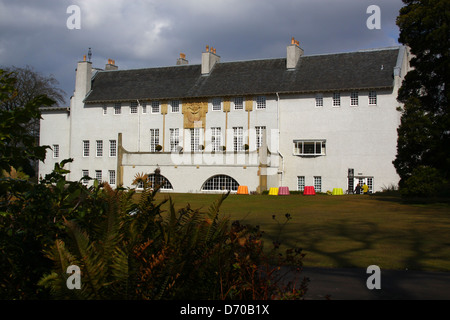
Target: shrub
(135, 250)
(424, 182)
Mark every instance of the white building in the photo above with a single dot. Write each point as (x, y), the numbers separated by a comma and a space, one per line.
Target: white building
(328, 121)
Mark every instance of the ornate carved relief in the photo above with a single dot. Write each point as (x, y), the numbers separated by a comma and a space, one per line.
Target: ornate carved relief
(194, 112)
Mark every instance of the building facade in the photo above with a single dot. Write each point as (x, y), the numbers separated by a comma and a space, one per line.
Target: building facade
(328, 121)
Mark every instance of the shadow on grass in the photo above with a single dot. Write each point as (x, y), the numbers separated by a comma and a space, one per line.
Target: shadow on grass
(397, 198)
(353, 244)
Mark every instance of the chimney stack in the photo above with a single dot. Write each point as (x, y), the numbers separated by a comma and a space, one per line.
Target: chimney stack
(182, 60)
(294, 52)
(209, 59)
(111, 65)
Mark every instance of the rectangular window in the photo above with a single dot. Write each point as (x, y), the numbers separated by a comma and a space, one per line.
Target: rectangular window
(112, 148)
(154, 139)
(195, 139)
(99, 148)
(260, 102)
(175, 106)
(112, 177)
(217, 104)
(155, 106)
(318, 184)
(336, 99)
(354, 100)
(319, 100)
(84, 173)
(133, 107)
(238, 103)
(144, 108)
(117, 108)
(370, 184)
(85, 148)
(372, 98)
(259, 135)
(105, 109)
(98, 175)
(238, 138)
(56, 151)
(216, 139)
(174, 139)
(300, 183)
(309, 147)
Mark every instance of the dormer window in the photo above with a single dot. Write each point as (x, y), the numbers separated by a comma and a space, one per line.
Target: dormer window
(155, 106)
(336, 99)
(260, 102)
(217, 104)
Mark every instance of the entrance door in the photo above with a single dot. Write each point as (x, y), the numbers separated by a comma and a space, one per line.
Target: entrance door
(364, 180)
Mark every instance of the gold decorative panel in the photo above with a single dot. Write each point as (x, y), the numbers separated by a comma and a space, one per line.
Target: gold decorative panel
(249, 104)
(226, 105)
(194, 112)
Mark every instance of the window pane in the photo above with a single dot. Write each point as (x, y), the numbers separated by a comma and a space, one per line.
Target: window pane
(372, 98)
(175, 106)
(56, 151)
(155, 106)
(354, 99)
(174, 139)
(238, 138)
(154, 139)
(336, 99)
(117, 108)
(238, 103)
(86, 148)
(216, 138)
(98, 175)
(220, 183)
(319, 100)
(308, 148)
(112, 177)
(112, 148)
(260, 102)
(99, 148)
(300, 183)
(318, 184)
(217, 104)
(133, 107)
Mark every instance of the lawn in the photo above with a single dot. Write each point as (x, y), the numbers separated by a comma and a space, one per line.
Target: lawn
(344, 231)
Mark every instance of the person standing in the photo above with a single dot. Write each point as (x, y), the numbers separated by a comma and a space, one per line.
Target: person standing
(365, 188)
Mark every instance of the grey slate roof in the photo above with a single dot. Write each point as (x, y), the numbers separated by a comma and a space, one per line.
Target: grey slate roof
(317, 73)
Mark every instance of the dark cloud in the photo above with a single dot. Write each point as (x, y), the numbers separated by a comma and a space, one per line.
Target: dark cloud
(140, 33)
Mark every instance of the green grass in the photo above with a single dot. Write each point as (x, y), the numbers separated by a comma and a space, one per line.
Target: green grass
(344, 231)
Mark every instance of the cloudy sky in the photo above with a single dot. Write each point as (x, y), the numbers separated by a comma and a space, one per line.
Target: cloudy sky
(152, 33)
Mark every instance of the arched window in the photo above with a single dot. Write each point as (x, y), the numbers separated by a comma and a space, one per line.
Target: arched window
(220, 183)
(165, 184)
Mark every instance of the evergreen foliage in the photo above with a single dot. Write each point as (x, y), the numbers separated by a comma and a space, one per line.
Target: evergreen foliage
(424, 132)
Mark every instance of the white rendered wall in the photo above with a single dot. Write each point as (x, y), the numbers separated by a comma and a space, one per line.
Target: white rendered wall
(362, 137)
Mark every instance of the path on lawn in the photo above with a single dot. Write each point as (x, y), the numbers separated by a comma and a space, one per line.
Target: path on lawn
(350, 284)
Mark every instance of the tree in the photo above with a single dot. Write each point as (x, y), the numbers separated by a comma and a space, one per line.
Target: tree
(17, 144)
(424, 131)
(29, 86)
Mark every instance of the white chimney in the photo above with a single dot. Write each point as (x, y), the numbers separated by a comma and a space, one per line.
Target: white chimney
(294, 52)
(209, 59)
(83, 79)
